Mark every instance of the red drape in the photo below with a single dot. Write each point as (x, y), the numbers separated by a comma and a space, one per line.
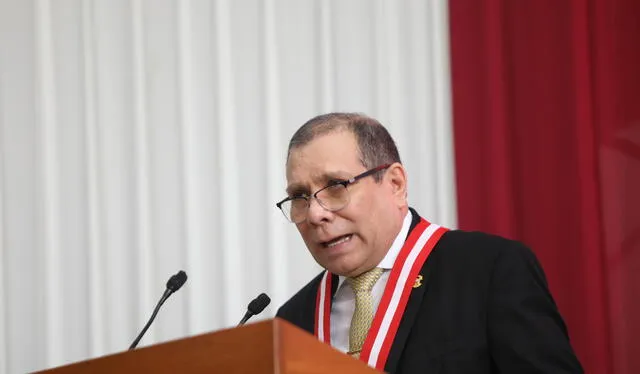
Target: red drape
(546, 109)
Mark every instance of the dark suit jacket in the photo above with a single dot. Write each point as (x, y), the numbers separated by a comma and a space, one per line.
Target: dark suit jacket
(484, 307)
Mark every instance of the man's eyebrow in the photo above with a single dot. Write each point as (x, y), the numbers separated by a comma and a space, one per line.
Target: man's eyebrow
(337, 175)
(296, 188)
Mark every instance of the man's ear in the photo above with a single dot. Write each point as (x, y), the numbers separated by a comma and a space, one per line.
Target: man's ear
(396, 176)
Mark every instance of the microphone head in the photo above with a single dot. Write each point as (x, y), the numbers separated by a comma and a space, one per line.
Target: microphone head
(259, 303)
(176, 281)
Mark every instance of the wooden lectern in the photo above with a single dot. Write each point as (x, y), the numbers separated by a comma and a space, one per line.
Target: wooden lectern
(272, 346)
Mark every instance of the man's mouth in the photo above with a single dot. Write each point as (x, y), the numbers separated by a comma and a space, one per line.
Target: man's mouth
(338, 240)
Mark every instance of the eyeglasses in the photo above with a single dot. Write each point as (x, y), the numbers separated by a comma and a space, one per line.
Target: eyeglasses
(332, 197)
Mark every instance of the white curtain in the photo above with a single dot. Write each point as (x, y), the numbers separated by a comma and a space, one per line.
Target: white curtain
(138, 138)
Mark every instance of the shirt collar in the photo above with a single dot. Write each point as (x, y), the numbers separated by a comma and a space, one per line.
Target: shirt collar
(392, 253)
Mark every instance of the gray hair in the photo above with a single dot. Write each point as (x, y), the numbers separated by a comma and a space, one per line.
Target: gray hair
(375, 145)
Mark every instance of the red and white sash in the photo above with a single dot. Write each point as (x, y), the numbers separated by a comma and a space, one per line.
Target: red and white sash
(386, 321)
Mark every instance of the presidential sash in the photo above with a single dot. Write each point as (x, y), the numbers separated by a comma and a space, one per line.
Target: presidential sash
(404, 274)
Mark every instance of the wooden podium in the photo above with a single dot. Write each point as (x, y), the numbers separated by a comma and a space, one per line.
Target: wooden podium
(272, 346)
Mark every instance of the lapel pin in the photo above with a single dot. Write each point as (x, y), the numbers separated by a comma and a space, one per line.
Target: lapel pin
(418, 282)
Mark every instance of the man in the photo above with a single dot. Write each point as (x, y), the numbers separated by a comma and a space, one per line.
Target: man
(399, 293)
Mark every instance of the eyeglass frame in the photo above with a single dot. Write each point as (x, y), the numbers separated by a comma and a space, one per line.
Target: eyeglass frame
(344, 183)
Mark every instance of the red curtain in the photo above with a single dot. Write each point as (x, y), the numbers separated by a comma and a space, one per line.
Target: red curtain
(546, 109)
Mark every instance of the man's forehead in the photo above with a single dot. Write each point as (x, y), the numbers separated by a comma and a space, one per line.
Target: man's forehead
(333, 155)
(304, 178)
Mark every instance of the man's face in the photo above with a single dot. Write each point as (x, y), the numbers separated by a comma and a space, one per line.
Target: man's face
(354, 239)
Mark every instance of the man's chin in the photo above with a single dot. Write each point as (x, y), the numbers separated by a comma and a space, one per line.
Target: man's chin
(337, 268)
(343, 269)
(344, 264)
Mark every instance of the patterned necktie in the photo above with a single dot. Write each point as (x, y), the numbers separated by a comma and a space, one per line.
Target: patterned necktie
(363, 315)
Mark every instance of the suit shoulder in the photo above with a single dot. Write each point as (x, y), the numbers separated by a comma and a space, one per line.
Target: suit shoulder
(479, 243)
(482, 259)
(477, 250)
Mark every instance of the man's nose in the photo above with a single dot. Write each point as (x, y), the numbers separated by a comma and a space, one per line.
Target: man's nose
(317, 214)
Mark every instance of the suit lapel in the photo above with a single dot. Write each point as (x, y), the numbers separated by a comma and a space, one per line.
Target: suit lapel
(408, 319)
(334, 286)
(411, 311)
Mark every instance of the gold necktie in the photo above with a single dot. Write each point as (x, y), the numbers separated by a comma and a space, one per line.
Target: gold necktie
(363, 315)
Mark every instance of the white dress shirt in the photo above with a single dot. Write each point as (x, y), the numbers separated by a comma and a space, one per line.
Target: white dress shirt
(344, 301)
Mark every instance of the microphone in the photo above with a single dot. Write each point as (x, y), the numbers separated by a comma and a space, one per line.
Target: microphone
(173, 284)
(256, 306)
